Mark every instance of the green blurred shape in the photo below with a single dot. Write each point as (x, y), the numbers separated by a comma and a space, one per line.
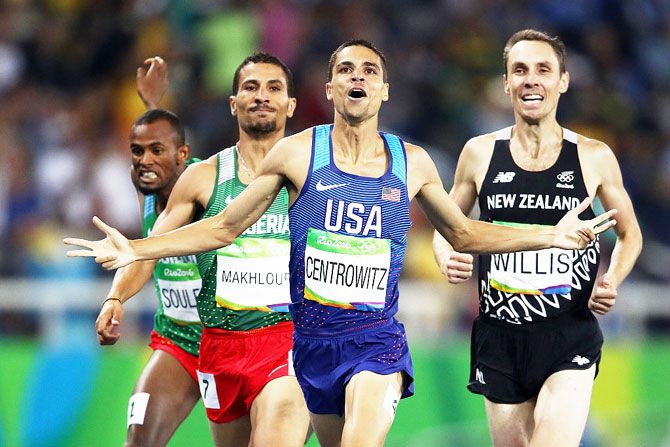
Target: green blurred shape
(17, 359)
(227, 38)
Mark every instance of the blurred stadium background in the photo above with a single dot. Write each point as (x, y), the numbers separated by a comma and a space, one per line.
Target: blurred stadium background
(66, 103)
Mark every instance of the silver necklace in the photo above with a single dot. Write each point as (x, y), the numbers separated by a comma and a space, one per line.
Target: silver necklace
(243, 163)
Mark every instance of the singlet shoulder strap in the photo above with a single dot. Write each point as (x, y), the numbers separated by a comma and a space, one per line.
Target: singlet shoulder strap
(321, 146)
(569, 135)
(226, 168)
(149, 205)
(504, 134)
(398, 159)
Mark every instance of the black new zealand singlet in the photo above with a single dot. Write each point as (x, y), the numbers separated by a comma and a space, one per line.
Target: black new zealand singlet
(533, 286)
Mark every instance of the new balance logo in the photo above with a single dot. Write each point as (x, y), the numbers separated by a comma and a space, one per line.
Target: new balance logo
(581, 361)
(479, 376)
(504, 177)
(565, 179)
(321, 187)
(229, 200)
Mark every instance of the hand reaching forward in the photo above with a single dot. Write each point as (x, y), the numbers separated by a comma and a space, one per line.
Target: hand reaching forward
(113, 252)
(108, 322)
(152, 82)
(604, 296)
(574, 233)
(457, 267)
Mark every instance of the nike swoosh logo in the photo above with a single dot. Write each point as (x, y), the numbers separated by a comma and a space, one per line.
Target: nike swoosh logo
(321, 187)
(229, 200)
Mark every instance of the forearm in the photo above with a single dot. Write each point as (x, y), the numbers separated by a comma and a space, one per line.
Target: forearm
(625, 253)
(441, 248)
(130, 279)
(482, 237)
(198, 237)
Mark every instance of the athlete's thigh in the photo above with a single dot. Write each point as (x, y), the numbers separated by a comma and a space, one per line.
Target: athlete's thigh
(164, 395)
(563, 407)
(370, 404)
(279, 415)
(231, 434)
(510, 424)
(327, 428)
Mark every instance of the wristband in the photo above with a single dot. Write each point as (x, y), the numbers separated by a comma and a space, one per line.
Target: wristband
(109, 299)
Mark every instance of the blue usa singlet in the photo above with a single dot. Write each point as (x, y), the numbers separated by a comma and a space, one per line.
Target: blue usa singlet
(349, 235)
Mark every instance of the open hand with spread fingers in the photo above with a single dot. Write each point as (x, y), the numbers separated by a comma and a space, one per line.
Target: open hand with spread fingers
(113, 252)
(575, 233)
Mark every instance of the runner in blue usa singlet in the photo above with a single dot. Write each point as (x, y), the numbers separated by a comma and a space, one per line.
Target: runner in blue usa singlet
(349, 235)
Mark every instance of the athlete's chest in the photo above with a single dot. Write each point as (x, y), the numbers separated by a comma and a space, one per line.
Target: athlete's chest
(357, 206)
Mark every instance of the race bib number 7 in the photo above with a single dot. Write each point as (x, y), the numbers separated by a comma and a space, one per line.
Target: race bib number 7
(346, 271)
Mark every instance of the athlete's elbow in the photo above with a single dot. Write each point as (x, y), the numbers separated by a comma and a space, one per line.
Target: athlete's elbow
(223, 234)
(461, 239)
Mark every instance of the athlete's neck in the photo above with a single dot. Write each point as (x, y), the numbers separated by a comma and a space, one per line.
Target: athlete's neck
(534, 139)
(356, 142)
(254, 148)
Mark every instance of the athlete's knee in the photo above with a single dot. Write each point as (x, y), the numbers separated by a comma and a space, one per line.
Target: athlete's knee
(141, 436)
(285, 424)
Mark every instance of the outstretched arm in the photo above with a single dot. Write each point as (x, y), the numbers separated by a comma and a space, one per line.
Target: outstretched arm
(467, 235)
(115, 250)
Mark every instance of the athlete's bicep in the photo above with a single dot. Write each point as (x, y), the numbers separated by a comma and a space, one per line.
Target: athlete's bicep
(468, 169)
(612, 193)
(290, 159)
(250, 205)
(424, 181)
(183, 200)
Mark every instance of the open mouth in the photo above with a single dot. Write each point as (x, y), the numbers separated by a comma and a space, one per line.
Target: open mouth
(357, 93)
(148, 176)
(532, 98)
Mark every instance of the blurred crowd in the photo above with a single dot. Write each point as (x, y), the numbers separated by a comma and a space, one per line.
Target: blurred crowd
(67, 96)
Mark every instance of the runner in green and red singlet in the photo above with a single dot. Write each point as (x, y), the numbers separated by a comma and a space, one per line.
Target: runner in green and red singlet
(245, 367)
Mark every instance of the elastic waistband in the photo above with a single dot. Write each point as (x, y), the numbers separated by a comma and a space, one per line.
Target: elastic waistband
(215, 332)
(561, 320)
(335, 333)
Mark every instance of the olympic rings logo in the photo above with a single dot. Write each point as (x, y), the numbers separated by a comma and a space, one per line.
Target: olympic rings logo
(369, 246)
(566, 176)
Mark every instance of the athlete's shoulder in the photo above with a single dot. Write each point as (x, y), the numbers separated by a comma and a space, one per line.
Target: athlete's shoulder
(585, 143)
(416, 154)
(196, 180)
(591, 151)
(298, 139)
(288, 148)
(479, 149)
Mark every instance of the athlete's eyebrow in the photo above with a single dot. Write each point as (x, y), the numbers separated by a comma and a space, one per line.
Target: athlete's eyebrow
(256, 82)
(371, 64)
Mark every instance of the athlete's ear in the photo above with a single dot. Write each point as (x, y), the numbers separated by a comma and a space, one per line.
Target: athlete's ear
(564, 82)
(292, 102)
(329, 91)
(183, 153)
(505, 84)
(385, 92)
(233, 105)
